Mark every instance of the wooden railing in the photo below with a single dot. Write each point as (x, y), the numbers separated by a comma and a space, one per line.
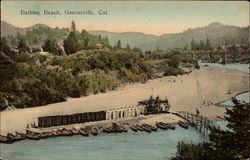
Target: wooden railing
(200, 122)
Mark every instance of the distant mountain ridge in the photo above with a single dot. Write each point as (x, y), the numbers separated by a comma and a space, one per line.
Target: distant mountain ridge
(217, 33)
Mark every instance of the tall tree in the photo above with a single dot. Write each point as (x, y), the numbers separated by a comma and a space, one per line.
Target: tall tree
(118, 44)
(70, 44)
(73, 26)
(193, 44)
(208, 45)
(86, 43)
(128, 47)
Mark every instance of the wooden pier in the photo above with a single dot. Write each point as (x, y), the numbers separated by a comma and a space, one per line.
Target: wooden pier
(200, 122)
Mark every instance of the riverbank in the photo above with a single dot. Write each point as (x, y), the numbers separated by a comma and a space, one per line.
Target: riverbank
(200, 90)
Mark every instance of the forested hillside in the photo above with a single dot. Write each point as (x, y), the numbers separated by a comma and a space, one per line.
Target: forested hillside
(88, 64)
(218, 34)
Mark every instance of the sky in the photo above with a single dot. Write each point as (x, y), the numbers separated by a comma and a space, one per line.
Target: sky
(150, 17)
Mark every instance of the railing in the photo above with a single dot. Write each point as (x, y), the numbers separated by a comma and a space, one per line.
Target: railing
(200, 122)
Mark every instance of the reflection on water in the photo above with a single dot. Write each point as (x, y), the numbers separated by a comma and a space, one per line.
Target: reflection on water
(159, 145)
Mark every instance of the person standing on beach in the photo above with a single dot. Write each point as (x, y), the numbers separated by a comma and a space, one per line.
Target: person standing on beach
(197, 111)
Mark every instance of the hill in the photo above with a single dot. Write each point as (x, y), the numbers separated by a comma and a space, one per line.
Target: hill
(218, 34)
(9, 29)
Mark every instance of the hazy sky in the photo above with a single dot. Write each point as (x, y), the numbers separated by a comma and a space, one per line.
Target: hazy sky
(148, 17)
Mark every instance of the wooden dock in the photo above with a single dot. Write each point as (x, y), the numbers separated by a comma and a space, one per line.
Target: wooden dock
(200, 122)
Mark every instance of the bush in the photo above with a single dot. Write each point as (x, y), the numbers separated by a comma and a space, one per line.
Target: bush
(170, 71)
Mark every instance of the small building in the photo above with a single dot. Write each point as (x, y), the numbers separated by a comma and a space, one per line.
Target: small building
(126, 112)
(58, 120)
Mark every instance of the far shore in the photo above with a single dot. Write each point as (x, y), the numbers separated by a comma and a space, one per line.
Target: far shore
(201, 90)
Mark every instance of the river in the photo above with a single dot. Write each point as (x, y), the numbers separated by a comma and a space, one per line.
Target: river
(159, 145)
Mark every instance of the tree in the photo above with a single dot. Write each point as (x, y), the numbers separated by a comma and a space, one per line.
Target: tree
(22, 47)
(231, 144)
(193, 44)
(238, 122)
(4, 46)
(201, 45)
(128, 47)
(73, 26)
(86, 42)
(208, 45)
(118, 45)
(70, 44)
(52, 47)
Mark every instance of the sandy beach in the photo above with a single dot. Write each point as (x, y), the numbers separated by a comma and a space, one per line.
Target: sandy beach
(185, 93)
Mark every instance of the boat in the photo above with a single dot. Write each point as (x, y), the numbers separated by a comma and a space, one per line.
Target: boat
(11, 137)
(94, 130)
(153, 128)
(161, 125)
(4, 139)
(116, 128)
(170, 126)
(83, 132)
(140, 128)
(42, 135)
(19, 136)
(183, 124)
(108, 129)
(59, 132)
(123, 128)
(67, 132)
(49, 134)
(147, 129)
(55, 133)
(134, 128)
(32, 136)
(74, 131)
(120, 128)
(149, 126)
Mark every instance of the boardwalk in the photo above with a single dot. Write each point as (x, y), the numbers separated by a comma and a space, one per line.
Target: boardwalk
(201, 123)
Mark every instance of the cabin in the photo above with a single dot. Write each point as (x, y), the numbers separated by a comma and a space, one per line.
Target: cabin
(125, 112)
(150, 106)
(154, 105)
(59, 120)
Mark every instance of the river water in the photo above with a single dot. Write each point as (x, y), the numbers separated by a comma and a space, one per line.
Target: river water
(159, 145)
